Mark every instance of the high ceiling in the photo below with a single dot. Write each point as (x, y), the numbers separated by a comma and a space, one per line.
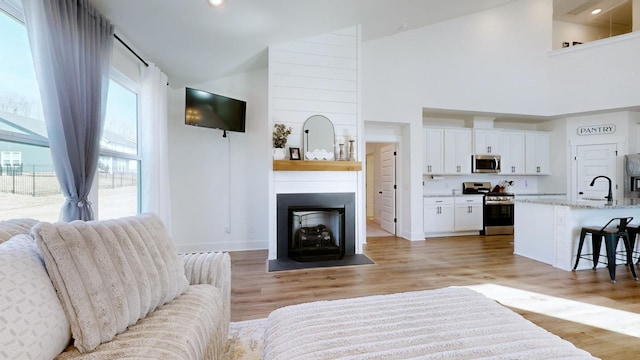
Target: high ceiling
(193, 42)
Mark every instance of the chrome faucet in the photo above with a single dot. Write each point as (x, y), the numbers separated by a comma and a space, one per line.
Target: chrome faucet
(609, 195)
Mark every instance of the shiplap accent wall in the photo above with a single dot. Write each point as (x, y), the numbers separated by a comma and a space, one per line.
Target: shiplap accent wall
(317, 76)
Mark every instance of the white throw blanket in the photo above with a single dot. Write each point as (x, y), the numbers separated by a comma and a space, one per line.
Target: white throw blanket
(450, 323)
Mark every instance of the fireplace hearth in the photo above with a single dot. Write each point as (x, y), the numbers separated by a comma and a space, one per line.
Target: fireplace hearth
(315, 226)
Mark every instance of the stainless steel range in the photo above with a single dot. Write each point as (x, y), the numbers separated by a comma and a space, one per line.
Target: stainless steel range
(498, 213)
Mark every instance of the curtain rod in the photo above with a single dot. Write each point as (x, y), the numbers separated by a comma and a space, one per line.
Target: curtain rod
(131, 50)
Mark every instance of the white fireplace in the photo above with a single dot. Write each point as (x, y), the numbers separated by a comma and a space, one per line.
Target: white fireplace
(313, 191)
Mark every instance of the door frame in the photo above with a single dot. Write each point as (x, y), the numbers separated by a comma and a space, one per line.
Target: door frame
(392, 133)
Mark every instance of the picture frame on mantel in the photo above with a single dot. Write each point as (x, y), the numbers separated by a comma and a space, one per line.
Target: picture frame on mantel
(294, 153)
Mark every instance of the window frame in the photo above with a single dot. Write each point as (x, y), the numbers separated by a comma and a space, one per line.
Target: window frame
(129, 84)
(13, 9)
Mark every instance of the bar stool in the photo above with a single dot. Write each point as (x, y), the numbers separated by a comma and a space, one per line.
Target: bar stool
(611, 236)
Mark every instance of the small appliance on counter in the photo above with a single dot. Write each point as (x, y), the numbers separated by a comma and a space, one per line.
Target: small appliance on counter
(503, 187)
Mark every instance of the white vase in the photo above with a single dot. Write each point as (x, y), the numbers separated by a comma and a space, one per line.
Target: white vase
(278, 154)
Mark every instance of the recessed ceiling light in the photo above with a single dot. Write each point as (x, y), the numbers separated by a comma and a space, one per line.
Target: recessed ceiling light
(216, 2)
(596, 11)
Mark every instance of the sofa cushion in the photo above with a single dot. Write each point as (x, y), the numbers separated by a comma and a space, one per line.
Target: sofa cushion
(33, 324)
(190, 327)
(109, 274)
(9, 228)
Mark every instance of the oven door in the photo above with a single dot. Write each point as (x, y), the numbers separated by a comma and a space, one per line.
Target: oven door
(498, 218)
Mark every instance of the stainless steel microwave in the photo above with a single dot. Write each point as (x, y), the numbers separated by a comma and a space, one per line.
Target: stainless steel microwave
(485, 163)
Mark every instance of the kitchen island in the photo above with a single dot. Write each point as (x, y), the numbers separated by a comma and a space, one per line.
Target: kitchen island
(548, 230)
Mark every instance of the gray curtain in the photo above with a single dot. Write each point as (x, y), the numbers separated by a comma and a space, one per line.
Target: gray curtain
(71, 44)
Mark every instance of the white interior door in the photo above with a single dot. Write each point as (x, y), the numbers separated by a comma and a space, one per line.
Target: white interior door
(592, 161)
(388, 213)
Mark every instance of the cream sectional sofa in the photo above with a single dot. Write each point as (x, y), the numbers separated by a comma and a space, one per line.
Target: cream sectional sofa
(109, 290)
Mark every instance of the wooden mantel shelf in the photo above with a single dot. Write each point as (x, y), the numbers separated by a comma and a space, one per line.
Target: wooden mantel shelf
(316, 165)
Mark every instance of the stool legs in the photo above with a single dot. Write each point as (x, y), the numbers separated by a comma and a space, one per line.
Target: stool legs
(610, 242)
(633, 232)
(582, 235)
(596, 245)
(630, 264)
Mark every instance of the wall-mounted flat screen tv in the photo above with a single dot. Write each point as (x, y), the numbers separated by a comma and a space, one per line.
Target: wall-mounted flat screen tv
(214, 111)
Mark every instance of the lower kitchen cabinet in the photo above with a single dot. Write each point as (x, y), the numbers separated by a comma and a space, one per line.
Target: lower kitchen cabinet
(438, 214)
(468, 213)
(449, 214)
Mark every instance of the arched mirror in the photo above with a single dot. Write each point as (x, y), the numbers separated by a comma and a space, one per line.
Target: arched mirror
(318, 138)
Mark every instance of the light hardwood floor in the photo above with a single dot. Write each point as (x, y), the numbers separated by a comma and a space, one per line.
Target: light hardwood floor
(402, 265)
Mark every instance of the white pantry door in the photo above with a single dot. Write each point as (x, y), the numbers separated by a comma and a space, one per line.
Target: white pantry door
(595, 160)
(388, 213)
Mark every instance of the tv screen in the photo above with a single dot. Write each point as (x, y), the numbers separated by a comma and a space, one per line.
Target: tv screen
(214, 111)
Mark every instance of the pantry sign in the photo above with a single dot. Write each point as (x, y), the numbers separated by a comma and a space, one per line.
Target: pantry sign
(596, 129)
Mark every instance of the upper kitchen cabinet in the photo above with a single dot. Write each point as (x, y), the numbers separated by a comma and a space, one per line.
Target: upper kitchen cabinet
(433, 151)
(537, 153)
(512, 153)
(457, 151)
(487, 141)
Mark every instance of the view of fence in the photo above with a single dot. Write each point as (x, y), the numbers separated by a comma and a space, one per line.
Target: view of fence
(34, 180)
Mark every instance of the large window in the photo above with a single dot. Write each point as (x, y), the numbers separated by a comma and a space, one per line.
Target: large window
(119, 163)
(28, 187)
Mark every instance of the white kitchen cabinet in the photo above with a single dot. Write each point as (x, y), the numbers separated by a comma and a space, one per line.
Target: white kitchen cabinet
(457, 151)
(487, 142)
(512, 153)
(468, 213)
(438, 214)
(537, 153)
(433, 151)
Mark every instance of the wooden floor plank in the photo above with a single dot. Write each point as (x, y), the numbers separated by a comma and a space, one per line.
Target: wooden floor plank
(403, 265)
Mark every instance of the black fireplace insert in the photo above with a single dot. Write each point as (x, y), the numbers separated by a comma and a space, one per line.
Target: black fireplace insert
(315, 226)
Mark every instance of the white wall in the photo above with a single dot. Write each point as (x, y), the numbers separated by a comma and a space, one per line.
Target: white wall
(599, 75)
(494, 61)
(317, 76)
(220, 184)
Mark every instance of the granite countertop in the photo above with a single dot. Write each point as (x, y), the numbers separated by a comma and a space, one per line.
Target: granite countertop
(624, 203)
(526, 194)
(449, 195)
